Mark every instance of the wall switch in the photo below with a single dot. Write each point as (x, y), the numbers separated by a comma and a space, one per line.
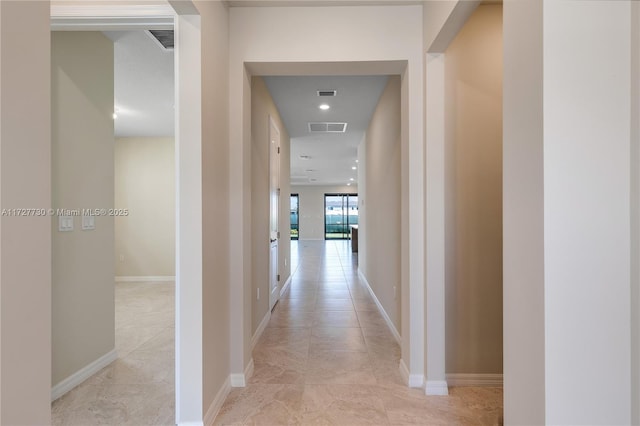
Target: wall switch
(258, 293)
(395, 292)
(65, 223)
(88, 223)
(122, 258)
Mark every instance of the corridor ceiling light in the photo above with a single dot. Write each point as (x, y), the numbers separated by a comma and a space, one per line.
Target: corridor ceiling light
(324, 107)
(352, 179)
(349, 184)
(357, 161)
(354, 168)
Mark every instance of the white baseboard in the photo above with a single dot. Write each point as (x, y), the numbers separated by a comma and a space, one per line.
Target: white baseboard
(286, 285)
(260, 329)
(392, 327)
(190, 424)
(83, 374)
(144, 278)
(416, 381)
(436, 387)
(240, 380)
(479, 380)
(217, 402)
(404, 371)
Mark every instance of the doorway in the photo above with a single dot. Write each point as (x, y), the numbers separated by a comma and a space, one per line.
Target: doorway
(340, 213)
(274, 206)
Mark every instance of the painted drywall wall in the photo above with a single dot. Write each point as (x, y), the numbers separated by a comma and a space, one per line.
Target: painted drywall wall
(523, 219)
(25, 251)
(311, 206)
(382, 201)
(473, 220)
(214, 17)
(635, 213)
(362, 40)
(587, 124)
(262, 110)
(82, 178)
(145, 188)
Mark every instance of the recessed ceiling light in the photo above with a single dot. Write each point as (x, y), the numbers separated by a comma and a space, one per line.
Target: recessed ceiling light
(352, 179)
(115, 115)
(354, 168)
(349, 184)
(357, 161)
(324, 107)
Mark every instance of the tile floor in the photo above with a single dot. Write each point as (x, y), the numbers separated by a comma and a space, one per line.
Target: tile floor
(137, 388)
(327, 357)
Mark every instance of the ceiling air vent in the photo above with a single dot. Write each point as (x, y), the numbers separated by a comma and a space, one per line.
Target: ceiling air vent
(327, 92)
(163, 37)
(327, 127)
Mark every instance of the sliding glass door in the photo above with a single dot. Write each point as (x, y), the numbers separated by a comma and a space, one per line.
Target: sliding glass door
(295, 216)
(340, 212)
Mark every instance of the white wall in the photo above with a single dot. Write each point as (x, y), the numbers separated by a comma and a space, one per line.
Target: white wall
(311, 206)
(215, 201)
(82, 178)
(145, 187)
(262, 109)
(25, 247)
(473, 89)
(567, 200)
(382, 201)
(298, 36)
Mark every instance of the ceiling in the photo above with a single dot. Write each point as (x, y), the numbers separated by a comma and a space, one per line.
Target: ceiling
(325, 158)
(144, 99)
(144, 85)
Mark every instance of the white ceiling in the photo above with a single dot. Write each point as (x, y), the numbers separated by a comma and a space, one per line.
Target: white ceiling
(144, 98)
(144, 85)
(332, 155)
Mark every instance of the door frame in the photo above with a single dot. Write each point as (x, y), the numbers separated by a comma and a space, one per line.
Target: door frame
(274, 234)
(188, 142)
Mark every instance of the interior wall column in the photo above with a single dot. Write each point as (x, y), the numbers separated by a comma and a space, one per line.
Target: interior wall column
(25, 238)
(436, 383)
(567, 200)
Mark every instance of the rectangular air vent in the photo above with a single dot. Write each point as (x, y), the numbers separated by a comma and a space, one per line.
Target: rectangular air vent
(327, 92)
(327, 127)
(163, 37)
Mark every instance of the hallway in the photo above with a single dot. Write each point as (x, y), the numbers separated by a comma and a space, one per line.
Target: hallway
(327, 357)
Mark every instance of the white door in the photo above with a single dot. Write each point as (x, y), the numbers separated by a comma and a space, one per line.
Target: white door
(274, 198)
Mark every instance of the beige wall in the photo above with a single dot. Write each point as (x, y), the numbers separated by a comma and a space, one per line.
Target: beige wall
(215, 198)
(145, 186)
(82, 177)
(262, 107)
(381, 201)
(473, 224)
(25, 252)
(311, 217)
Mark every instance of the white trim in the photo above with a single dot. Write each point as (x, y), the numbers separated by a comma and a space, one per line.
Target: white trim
(285, 286)
(416, 381)
(471, 379)
(392, 327)
(190, 424)
(260, 329)
(404, 371)
(83, 374)
(240, 380)
(86, 17)
(436, 387)
(217, 402)
(145, 278)
(412, 380)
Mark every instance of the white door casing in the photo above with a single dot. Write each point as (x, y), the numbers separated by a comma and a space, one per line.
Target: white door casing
(274, 204)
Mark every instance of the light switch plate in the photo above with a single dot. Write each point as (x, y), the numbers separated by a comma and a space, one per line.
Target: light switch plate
(65, 223)
(88, 223)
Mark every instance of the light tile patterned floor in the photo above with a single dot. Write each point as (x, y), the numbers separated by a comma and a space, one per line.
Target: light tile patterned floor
(138, 388)
(327, 357)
